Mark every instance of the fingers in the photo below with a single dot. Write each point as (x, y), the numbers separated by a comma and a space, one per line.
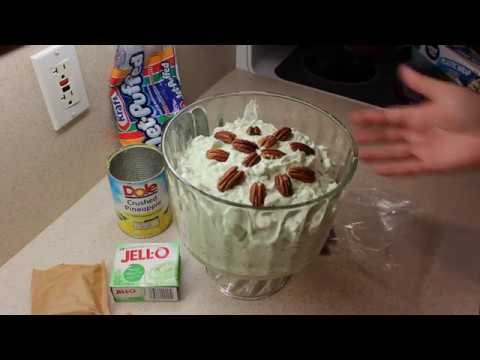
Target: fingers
(427, 86)
(385, 152)
(396, 116)
(368, 117)
(402, 116)
(374, 135)
(405, 167)
(418, 117)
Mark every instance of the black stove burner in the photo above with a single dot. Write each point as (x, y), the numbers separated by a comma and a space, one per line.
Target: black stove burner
(371, 78)
(345, 68)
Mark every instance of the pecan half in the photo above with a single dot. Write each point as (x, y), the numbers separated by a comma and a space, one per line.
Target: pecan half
(302, 147)
(258, 192)
(217, 154)
(283, 134)
(225, 136)
(254, 130)
(244, 146)
(272, 154)
(267, 141)
(230, 179)
(251, 160)
(284, 185)
(301, 173)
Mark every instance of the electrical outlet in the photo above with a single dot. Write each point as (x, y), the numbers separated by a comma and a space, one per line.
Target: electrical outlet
(68, 95)
(58, 73)
(70, 99)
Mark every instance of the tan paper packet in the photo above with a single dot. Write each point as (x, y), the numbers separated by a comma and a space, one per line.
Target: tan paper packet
(70, 290)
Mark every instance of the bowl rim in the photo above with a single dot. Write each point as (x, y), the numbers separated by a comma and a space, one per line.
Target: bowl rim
(328, 195)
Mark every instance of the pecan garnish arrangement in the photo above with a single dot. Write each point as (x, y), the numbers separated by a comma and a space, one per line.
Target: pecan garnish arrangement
(217, 154)
(283, 134)
(230, 179)
(251, 160)
(267, 141)
(244, 146)
(283, 185)
(225, 136)
(295, 146)
(301, 173)
(258, 192)
(254, 130)
(272, 154)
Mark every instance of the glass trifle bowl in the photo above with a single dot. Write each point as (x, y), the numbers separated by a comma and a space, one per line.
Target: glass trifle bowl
(250, 251)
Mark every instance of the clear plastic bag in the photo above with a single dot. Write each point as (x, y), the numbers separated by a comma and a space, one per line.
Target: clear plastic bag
(369, 223)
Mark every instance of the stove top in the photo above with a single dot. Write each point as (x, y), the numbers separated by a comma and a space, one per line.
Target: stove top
(372, 79)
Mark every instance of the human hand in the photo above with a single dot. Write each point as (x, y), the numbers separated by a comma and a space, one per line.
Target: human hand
(441, 134)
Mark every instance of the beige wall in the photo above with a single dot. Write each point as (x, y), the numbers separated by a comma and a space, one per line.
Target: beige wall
(202, 66)
(44, 172)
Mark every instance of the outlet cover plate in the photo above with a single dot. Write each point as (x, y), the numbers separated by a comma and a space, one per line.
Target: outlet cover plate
(44, 64)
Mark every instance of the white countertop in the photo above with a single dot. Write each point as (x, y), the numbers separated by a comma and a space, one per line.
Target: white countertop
(432, 267)
(88, 233)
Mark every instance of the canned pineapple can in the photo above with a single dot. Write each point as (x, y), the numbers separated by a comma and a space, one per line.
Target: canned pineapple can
(140, 191)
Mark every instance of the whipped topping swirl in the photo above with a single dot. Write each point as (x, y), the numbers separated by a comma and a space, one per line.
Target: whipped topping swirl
(204, 173)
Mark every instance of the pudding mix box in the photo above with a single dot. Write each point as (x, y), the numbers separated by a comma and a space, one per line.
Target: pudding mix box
(146, 272)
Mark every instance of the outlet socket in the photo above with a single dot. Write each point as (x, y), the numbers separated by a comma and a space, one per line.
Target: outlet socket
(67, 92)
(58, 73)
